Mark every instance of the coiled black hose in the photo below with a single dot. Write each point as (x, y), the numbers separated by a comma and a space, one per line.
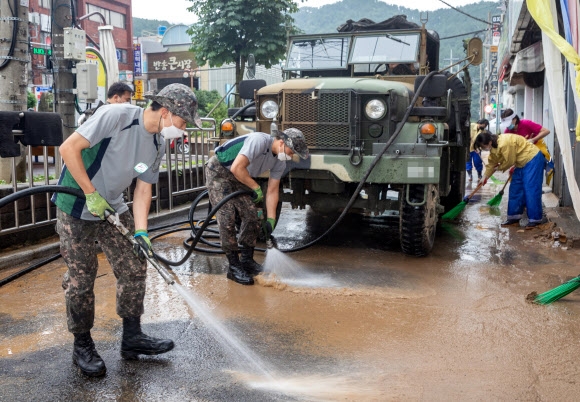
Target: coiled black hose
(198, 230)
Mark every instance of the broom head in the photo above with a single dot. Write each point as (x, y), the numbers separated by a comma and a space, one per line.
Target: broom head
(496, 181)
(495, 201)
(454, 213)
(558, 292)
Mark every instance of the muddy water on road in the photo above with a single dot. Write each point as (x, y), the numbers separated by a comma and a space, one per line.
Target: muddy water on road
(453, 325)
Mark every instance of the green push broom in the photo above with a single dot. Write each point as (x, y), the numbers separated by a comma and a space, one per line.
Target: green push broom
(455, 211)
(495, 201)
(495, 181)
(558, 292)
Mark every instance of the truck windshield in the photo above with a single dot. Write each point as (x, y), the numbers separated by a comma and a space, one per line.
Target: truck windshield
(386, 48)
(318, 54)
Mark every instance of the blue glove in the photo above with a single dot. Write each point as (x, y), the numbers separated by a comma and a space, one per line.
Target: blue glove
(143, 247)
(258, 195)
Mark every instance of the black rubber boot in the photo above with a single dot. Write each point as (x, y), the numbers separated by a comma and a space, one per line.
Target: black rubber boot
(235, 271)
(137, 343)
(248, 263)
(86, 357)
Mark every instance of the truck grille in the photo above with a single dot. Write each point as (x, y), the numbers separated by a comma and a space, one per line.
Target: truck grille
(324, 120)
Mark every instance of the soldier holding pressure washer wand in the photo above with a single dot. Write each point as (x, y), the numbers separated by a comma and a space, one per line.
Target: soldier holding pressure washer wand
(117, 144)
(233, 168)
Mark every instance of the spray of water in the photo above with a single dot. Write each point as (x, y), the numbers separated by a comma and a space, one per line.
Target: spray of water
(317, 387)
(223, 335)
(289, 272)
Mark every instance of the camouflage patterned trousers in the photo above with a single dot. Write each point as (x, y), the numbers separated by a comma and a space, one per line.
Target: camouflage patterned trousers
(220, 183)
(78, 248)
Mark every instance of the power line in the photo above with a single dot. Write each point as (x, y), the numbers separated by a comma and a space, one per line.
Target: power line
(464, 34)
(464, 13)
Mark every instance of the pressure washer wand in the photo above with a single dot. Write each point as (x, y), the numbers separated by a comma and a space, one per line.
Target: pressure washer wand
(114, 220)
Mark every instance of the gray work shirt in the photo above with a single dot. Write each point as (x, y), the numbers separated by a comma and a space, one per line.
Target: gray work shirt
(120, 150)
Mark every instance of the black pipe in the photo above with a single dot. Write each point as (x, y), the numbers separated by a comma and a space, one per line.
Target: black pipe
(28, 269)
(63, 189)
(39, 190)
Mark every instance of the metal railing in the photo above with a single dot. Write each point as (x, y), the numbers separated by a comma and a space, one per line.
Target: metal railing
(183, 166)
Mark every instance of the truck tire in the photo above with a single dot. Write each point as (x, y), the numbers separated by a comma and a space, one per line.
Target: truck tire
(457, 192)
(418, 223)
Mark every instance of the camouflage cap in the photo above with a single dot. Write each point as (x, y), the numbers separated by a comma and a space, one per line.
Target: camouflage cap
(294, 139)
(180, 100)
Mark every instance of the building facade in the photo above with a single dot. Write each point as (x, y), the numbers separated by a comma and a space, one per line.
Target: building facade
(89, 15)
(528, 66)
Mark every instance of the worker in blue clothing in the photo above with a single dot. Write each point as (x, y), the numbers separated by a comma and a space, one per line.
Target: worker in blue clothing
(474, 156)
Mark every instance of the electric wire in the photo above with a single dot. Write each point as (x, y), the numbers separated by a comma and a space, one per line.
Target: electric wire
(465, 34)
(468, 15)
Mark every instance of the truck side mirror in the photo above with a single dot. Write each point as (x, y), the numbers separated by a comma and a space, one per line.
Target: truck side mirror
(246, 88)
(475, 51)
(434, 88)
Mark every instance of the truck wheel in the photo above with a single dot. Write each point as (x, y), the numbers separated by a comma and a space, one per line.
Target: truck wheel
(418, 223)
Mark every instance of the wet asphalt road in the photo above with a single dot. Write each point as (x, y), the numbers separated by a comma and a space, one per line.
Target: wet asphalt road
(377, 325)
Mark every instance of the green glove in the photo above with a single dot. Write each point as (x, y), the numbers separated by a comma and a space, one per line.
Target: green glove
(270, 226)
(143, 247)
(97, 205)
(258, 195)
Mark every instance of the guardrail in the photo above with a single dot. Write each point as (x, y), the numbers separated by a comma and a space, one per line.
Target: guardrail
(181, 172)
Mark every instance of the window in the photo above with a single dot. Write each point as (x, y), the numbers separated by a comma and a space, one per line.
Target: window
(113, 18)
(386, 48)
(122, 56)
(318, 53)
(45, 3)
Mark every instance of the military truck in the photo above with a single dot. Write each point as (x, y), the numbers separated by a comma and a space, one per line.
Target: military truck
(349, 92)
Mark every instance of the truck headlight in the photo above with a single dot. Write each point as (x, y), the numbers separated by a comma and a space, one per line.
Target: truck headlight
(375, 109)
(269, 109)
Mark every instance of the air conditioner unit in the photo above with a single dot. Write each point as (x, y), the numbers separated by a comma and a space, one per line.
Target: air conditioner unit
(34, 18)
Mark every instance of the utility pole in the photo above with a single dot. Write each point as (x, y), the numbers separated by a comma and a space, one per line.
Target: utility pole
(63, 77)
(14, 60)
(450, 61)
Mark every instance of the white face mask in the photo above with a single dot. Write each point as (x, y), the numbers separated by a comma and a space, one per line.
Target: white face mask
(283, 156)
(171, 132)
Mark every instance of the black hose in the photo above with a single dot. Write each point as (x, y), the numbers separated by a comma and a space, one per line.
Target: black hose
(79, 193)
(39, 190)
(203, 226)
(28, 269)
(63, 189)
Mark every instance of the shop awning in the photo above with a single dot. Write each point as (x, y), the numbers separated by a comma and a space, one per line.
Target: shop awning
(529, 60)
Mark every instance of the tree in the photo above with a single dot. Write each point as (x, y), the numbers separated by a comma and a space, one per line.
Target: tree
(229, 31)
(30, 100)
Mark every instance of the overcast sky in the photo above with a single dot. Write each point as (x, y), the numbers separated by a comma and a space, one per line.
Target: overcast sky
(175, 11)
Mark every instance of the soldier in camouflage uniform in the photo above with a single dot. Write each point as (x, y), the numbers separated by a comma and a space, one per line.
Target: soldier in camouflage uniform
(233, 168)
(117, 144)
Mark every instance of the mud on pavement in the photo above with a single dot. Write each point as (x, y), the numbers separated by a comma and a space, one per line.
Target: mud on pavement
(452, 326)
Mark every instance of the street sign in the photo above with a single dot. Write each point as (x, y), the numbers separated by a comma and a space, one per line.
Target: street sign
(137, 59)
(138, 95)
(42, 51)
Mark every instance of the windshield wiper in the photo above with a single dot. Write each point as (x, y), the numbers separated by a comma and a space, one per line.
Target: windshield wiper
(396, 39)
